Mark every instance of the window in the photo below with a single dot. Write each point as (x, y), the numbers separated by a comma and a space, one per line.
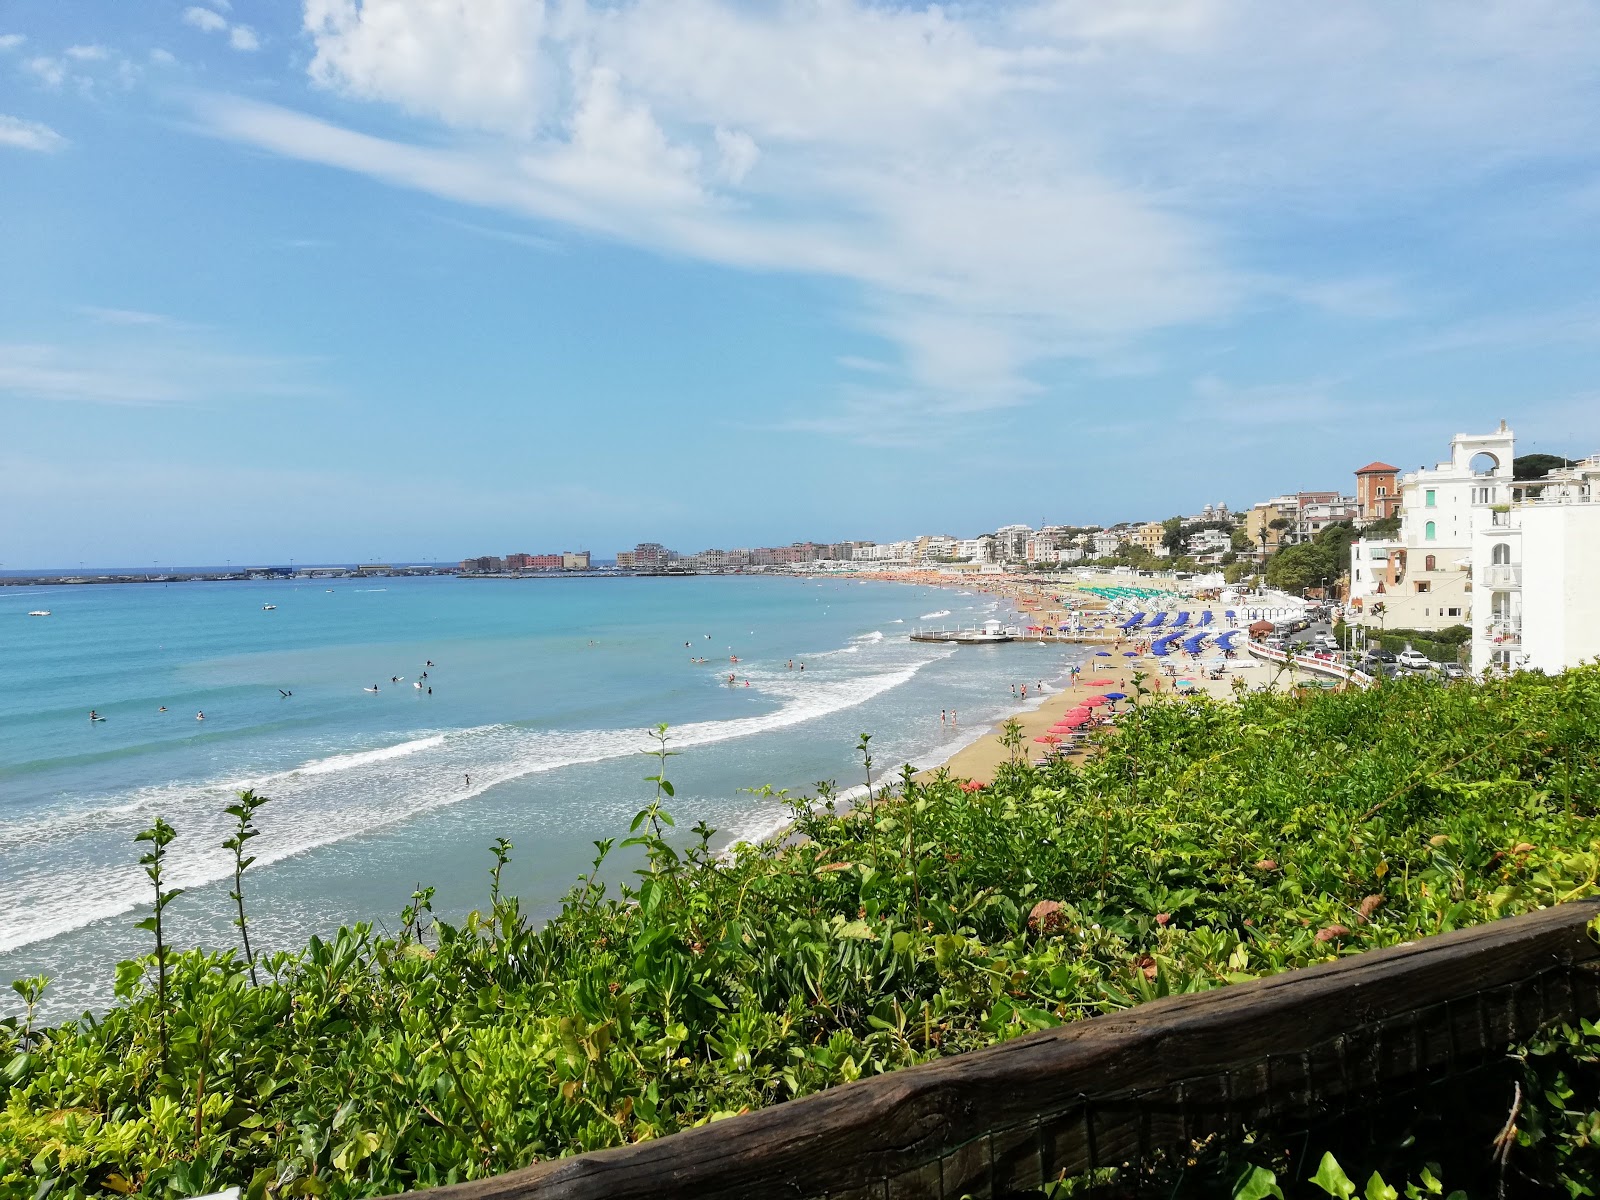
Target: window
(1430, 563)
(1427, 498)
(1452, 612)
(1501, 555)
(1382, 491)
(1429, 531)
(1422, 585)
(1482, 495)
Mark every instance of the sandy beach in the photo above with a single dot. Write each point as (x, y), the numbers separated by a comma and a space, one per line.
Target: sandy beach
(1049, 605)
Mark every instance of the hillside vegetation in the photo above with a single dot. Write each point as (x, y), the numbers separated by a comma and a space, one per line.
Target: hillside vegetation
(1208, 843)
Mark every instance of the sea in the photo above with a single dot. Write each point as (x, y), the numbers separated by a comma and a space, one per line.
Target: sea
(531, 724)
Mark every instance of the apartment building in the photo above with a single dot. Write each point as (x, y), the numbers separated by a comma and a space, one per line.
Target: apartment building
(1423, 578)
(1536, 565)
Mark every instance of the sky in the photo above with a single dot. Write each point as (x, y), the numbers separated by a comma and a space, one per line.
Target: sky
(406, 280)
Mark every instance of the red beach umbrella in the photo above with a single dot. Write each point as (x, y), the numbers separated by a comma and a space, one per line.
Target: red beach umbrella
(1076, 719)
(1096, 701)
(1100, 682)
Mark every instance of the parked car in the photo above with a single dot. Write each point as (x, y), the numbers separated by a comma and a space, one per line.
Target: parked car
(1416, 660)
(1326, 641)
(1375, 658)
(1453, 670)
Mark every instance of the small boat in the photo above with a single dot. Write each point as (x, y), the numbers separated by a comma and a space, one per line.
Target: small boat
(268, 607)
(40, 612)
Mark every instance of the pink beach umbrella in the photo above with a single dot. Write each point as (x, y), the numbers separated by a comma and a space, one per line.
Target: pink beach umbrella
(1096, 701)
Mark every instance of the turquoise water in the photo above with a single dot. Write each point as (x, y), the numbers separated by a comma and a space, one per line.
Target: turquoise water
(542, 692)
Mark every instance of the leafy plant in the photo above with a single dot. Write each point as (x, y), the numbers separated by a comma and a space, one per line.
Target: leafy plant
(159, 835)
(244, 812)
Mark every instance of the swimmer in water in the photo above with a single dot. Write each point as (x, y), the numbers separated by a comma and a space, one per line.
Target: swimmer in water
(200, 716)
(163, 708)
(94, 716)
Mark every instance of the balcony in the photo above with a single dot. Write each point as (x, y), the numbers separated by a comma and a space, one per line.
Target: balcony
(1504, 631)
(1503, 575)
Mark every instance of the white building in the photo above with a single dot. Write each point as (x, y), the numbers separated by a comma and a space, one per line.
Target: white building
(1208, 541)
(1423, 578)
(1536, 565)
(1106, 543)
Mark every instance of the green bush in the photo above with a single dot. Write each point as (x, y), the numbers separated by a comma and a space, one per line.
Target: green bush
(1209, 843)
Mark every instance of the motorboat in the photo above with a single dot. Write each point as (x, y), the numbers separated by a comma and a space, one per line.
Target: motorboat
(268, 607)
(40, 612)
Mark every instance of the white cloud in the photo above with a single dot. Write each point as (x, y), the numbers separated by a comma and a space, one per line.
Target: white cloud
(29, 135)
(88, 53)
(739, 154)
(164, 58)
(10, 41)
(125, 316)
(242, 37)
(204, 18)
(999, 187)
(50, 71)
(155, 367)
(472, 62)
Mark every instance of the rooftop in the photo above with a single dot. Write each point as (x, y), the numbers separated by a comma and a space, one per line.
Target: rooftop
(1373, 467)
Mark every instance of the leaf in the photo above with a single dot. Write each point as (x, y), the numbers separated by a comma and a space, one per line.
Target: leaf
(1377, 1189)
(1256, 1184)
(1330, 1177)
(857, 930)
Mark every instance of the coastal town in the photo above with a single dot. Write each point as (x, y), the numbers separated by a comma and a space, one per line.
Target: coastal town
(1486, 560)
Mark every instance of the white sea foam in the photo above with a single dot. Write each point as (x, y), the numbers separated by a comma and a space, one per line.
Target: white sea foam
(345, 762)
(943, 612)
(875, 636)
(74, 869)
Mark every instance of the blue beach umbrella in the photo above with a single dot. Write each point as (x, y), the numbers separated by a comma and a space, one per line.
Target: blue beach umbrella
(1102, 654)
(1115, 695)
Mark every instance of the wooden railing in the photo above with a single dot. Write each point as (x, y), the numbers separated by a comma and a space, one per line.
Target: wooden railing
(1122, 1087)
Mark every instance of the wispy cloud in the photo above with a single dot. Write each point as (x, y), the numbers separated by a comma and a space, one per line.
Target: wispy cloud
(49, 71)
(129, 357)
(88, 53)
(10, 41)
(29, 135)
(998, 190)
(126, 316)
(204, 18)
(209, 20)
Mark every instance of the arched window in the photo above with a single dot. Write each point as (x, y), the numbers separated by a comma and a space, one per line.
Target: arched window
(1428, 531)
(1501, 555)
(1428, 563)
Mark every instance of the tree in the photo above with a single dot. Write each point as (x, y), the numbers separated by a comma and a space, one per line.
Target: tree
(1240, 539)
(1293, 569)
(1172, 534)
(1536, 466)
(1384, 527)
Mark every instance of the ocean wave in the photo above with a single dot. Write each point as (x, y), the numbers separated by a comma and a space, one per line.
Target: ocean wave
(875, 636)
(345, 762)
(943, 612)
(64, 873)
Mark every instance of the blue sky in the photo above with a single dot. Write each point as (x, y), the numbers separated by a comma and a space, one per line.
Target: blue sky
(405, 279)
